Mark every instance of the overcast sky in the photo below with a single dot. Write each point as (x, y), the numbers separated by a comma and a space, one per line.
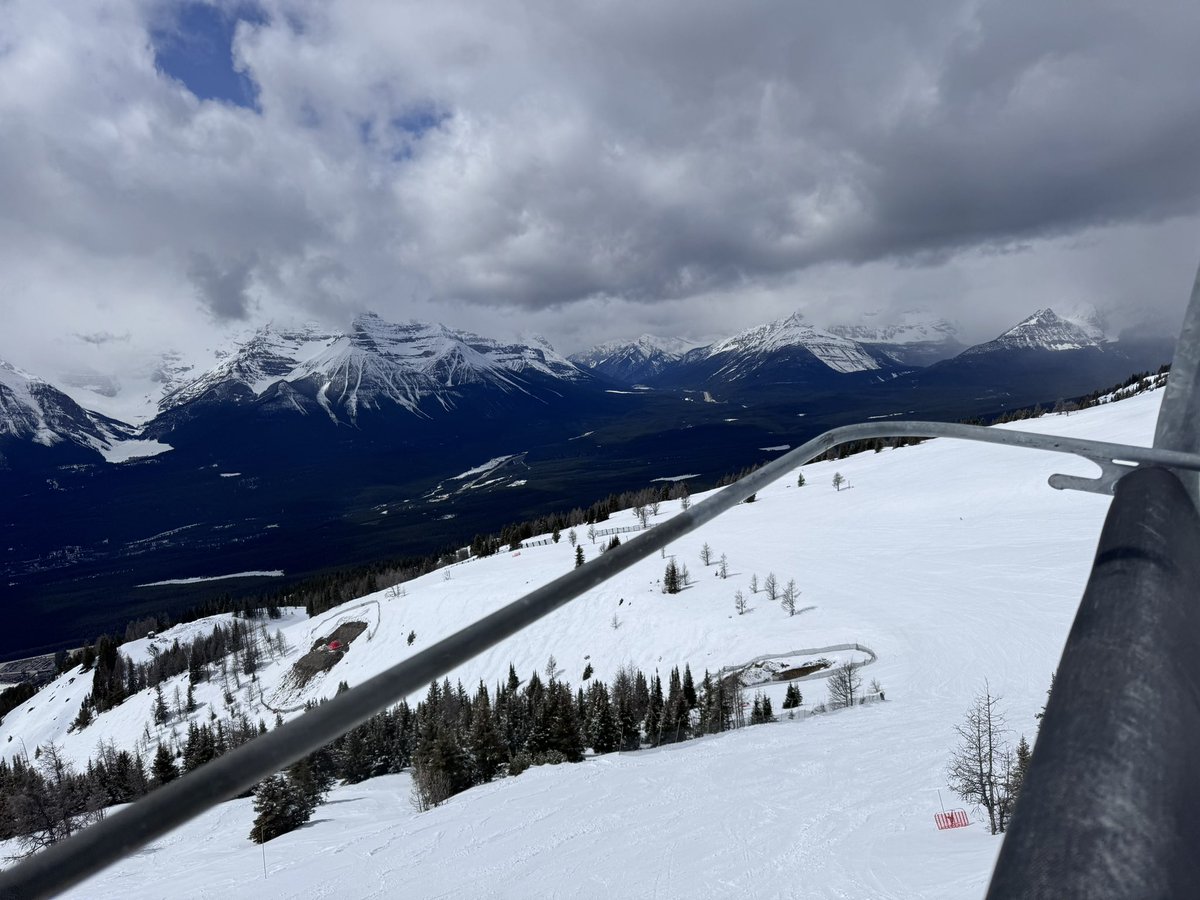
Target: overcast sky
(173, 173)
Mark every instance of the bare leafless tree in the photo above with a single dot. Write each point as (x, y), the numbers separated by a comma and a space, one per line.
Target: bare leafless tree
(979, 767)
(844, 685)
(790, 593)
(771, 586)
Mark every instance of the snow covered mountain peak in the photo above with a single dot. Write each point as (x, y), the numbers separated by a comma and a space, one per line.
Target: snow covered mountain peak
(34, 410)
(1044, 330)
(838, 353)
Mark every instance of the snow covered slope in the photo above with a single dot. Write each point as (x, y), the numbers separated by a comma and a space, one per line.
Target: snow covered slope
(952, 562)
(916, 339)
(838, 353)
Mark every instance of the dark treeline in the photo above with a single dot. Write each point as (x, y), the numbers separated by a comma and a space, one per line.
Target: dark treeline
(454, 740)
(45, 800)
(451, 741)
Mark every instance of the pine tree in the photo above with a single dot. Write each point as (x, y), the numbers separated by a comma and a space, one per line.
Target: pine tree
(281, 808)
(792, 697)
(739, 603)
(604, 735)
(485, 748)
(671, 578)
(579, 556)
(163, 769)
(161, 714)
(654, 710)
(756, 713)
(673, 726)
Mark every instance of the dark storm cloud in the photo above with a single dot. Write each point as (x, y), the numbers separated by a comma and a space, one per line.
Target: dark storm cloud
(554, 158)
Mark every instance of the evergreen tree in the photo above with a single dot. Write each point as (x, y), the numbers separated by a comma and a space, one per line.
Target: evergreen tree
(161, 715)
(673, 726)
(281, 808)
(671, 578)
(578, 556)
(654, 710)
(604, 735)
(163, 769)
(486, 748)
(792, 697)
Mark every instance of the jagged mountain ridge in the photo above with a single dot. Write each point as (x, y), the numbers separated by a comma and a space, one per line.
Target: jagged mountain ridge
(373, 365)
(630, 362)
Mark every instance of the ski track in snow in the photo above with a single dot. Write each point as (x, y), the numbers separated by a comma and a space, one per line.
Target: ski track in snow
(953, 561)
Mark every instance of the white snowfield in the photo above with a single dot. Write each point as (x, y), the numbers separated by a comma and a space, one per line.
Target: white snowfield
(952, 562)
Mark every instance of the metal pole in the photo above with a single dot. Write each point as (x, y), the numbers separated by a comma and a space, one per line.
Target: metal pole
(1179, 418)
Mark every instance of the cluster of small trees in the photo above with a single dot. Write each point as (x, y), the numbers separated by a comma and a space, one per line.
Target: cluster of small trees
(676, 577)
(45, 801)
(786, 596)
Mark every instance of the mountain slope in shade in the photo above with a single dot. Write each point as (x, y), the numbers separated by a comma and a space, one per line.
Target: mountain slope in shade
(373, 366)
(634, 361)
(915, 340)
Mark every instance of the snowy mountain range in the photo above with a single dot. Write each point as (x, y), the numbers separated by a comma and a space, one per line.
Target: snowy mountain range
(373, 366)
(822, 805)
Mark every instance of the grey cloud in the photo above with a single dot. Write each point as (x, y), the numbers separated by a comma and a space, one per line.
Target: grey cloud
(96, 338)
(223, 289)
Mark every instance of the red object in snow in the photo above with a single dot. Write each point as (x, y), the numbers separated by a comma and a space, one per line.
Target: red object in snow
(956, 818)
(335, 645)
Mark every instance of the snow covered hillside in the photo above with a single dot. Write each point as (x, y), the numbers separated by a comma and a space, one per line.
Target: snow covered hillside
(952, 562)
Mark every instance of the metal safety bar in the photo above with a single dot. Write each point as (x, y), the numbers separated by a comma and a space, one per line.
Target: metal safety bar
(1109, 805)
(93, 849)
